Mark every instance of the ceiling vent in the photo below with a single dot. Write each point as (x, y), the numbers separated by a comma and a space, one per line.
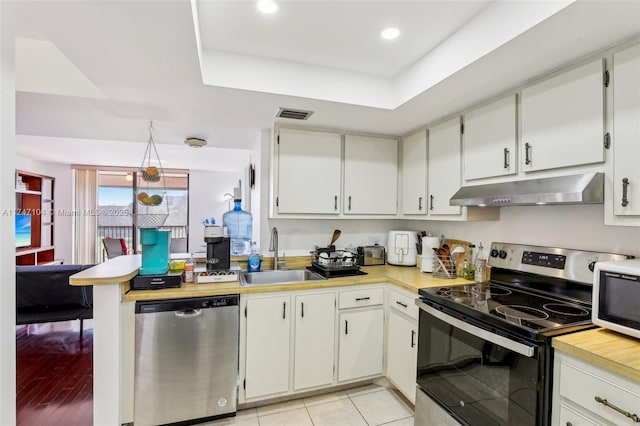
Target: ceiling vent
(294, 114)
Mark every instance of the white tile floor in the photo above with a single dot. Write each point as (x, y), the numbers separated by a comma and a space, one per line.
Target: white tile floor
(369, 405)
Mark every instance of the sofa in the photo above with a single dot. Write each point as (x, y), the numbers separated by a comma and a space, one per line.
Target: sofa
(43, 294)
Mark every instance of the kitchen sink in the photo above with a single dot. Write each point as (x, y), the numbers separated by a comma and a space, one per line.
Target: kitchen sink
(281, 276)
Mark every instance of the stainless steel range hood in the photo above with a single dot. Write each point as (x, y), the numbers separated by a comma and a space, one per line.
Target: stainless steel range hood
(576, 189)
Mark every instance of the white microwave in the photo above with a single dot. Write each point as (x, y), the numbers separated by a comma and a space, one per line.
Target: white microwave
(616, 296)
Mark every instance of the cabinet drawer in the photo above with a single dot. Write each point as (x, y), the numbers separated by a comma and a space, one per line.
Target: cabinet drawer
(570, 417)
(360, 297)
(583, 385)
(403, 302)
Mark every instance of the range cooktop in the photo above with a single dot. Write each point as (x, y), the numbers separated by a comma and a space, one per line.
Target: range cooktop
(534, 291)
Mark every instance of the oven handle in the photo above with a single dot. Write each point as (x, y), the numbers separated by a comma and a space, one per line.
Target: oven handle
(522, 349)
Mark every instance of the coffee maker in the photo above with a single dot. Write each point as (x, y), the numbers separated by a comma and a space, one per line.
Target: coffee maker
(218, 249)
(155, 251)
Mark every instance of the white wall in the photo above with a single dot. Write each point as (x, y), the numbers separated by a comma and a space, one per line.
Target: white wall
(578, 227)
(206, 200)
(63, 190)
(7, 201)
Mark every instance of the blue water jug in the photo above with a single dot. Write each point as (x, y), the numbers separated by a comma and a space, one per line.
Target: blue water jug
(239, 224)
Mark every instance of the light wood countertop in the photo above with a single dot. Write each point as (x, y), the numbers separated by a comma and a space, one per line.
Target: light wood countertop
(604, 348)
(120, 269)
(407, 277)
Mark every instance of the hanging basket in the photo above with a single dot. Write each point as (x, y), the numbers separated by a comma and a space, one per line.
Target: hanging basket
(151, 194)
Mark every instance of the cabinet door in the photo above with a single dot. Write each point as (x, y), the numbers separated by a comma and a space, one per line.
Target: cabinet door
(360, 344)
(314, 340)
(626, 131)
(414, 174)
(267, 349)
(309, 165)
(563, 120)
(370, 175)
(443, 178)
(489, 140)
(402, 353)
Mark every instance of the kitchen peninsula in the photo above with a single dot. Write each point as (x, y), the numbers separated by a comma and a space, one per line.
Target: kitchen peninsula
(114, 319)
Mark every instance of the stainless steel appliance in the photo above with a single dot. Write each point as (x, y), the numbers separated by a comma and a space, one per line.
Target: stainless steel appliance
(484, 350)
(186, 359)
(370, 255)
(616, 291)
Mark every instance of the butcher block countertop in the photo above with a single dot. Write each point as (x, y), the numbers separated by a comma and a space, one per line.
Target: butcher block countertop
(407, 277)
(604, 348)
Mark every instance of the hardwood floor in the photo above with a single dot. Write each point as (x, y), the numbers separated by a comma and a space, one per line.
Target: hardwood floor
(54, 374)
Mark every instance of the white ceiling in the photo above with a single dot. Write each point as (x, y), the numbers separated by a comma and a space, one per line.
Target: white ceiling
(93, 73)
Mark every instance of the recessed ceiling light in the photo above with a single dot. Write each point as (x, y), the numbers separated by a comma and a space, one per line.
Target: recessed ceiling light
(267, 6)
(390, 33)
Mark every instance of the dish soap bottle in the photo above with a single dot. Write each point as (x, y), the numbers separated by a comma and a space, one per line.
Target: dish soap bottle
(239, 224)
(253, 264)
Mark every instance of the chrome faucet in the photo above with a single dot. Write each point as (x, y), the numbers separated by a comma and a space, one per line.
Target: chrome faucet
(273, 246)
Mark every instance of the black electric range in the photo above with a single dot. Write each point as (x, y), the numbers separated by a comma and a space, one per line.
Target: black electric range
(484, 349)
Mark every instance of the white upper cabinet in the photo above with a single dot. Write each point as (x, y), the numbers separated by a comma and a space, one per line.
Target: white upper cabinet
(308, 159)
(563, 120)
(490, 140)
(414, 174)
(626, 132)
(370, 175)
(443, 174)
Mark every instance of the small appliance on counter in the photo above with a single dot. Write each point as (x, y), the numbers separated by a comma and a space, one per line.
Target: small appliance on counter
(218, 248)
(370, 255)
(154, 272)
(401, 248)
(616, 290)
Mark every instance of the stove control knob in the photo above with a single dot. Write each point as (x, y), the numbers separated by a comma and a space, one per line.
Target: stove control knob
(502, 254)
(494, 253)
(592, 265)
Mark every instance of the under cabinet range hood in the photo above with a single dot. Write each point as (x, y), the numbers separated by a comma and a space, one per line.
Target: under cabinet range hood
(586, 188)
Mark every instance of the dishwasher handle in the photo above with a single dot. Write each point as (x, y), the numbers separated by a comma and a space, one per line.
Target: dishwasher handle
(188, 313)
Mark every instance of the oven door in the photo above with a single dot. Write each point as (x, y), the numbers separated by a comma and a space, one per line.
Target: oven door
(478, 376)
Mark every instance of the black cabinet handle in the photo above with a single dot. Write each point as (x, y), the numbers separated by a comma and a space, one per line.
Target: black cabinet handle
(419, 203)
(349, 202)
(430, 202)
(404, 305)
(413, 341)
(527, 152)
(302, 309)
(346, 327)
(284, 310)
(359, 299)
(606, 403)
(335, 202)
(625, 184)
(506, 158)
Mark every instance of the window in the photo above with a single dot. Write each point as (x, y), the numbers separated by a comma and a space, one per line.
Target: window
(116, 206)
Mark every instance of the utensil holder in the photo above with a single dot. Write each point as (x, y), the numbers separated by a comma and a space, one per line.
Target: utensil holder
(444, 267)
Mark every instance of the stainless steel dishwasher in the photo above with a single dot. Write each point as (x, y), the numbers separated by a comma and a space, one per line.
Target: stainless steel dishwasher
(186, 360)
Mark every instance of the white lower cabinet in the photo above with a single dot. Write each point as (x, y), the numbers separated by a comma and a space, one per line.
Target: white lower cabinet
(402, 341)
(305, 340)
(585, 394)
(360, 345)
(268, 331)
(314, 338)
